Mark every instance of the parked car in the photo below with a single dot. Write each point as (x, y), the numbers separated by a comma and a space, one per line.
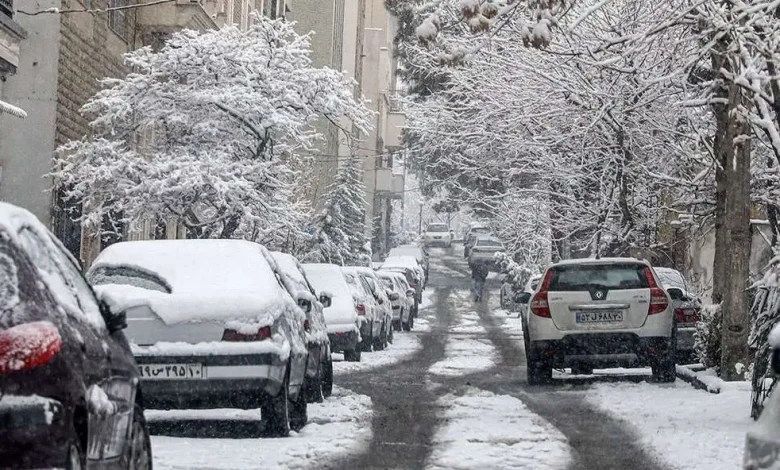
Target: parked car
(512, 299)
(418, 251)
(600, 313)
(411, 269)
(471, 237)
(687, 309)
(762, 444)
(341, 315)
(379, 292)
(484, 249)
(367, 307)
(69, 386)
(476, 228)
(401, 297)
(210, 325)
(437, 234)
(318, 383)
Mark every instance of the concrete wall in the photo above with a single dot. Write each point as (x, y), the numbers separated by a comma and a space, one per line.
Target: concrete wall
(27, 145)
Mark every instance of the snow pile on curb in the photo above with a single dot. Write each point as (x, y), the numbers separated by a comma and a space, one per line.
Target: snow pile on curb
(338, 427)
(705, 380)
(484, 430)
(465, 356)
(404, 346)
(685, 428)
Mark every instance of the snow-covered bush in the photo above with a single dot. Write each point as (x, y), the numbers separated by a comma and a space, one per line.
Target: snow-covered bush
(515, 274)
(707, 338)
(203, 131)
(340, 228)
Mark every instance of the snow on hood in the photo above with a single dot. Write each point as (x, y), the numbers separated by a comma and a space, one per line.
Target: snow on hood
(209, 279)
(328, 278)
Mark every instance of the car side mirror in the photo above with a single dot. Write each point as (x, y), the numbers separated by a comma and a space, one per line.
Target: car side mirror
(115, 321)
(523, 297)
(326, 299)
(675, 293)
(410, 293)
(305, 305)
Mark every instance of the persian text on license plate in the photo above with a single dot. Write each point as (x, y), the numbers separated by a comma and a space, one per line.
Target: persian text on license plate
(171, 371)
(600, 316)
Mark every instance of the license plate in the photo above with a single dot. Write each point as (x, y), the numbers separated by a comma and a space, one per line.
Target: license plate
(600, 316)
(171, 371)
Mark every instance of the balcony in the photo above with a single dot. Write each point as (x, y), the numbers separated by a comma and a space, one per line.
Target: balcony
(155, 22)
(11, 35)
(389, 184)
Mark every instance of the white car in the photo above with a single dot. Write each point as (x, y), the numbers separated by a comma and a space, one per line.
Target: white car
(384, 306)
(418, 251)
(210, 326)
(367, 307)
(403, 263)
(484, 250)
(401, 296)
(437, 234)
(600, 313)
(341, 315)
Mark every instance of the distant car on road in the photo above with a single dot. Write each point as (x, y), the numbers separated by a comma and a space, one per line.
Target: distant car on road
(341, 315)
(600, 313)
(210, 325)
(379, 292)
(319, 367)
(484, 250)
(69, 386)
(418, 251)
(437, 234)
(687, 308)
(367, 308)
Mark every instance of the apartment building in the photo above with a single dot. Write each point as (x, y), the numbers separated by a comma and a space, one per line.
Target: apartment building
(11, 36)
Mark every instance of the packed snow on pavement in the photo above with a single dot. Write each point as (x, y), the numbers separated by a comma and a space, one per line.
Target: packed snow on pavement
(483, 430)
(341, 425)
(686, 428)
(465, 356)
(404, 346)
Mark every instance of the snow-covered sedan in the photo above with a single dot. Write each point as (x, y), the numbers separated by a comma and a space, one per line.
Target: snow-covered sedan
(437, 234)
(341, 314)
(210, 325)
(401, 297)
(319, 368)
(418, 251)
(687, 309)
(379, 292)
(69, 393)
(367, 307)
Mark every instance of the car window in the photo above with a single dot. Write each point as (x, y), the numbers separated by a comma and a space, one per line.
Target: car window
(606, 276)
(85, 295)
(388, 282)
(437, 228)
(489, 243)
(130, 276)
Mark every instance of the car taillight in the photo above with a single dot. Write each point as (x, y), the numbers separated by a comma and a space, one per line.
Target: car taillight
(361, 309)
(686, 315)
(658, 300)
(306, 325)
(539, 303)
(28, 346)
(394, 296)
(233, 335)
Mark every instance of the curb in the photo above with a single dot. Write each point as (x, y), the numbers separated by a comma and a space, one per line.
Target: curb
(687, 375)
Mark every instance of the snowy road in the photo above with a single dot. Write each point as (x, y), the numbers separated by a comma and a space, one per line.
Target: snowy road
(453, 394)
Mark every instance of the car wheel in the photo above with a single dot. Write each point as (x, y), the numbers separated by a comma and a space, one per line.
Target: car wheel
(352, 355)
(299, 415)
(365, 343)
(581, 369)
(381, 340)
(539, 370)
(390, 336)
(408, 324)
(275, 412)
(397, 324)
(327, 378)
(313, 387)
(664, 369)
(139, 452)
(75, 457)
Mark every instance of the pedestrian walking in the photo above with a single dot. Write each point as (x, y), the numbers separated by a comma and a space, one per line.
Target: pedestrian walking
(479, 272)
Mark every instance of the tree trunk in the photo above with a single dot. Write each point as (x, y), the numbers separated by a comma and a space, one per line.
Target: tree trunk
(230, 226)
(736, 225)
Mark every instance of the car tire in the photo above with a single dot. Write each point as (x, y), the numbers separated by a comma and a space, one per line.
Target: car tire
(539, 370)
(665, 368)
(75, 459)
(352, 355)
(379, 341)
(327, 377)
(581, 369)
(390, 336)
(139, 450)
(274, 412)
(299, 415)
(366, 343)
(313, 387)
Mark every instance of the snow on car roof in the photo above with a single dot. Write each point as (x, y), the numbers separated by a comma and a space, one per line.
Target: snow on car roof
(401, 261)
(292, 277)
(210, 280)
(569, 262)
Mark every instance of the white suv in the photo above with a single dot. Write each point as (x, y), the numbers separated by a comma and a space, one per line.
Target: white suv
(605, 312)
(437, 234)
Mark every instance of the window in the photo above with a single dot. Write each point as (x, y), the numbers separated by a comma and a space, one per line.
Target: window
(237, 10)
(437, 228)
(130, 276)
(604, 276)
(117, 19)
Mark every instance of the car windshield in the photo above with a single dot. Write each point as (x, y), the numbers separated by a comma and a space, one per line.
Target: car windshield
(128, 275)
(437, 228)
(586, 277)
(488, 243)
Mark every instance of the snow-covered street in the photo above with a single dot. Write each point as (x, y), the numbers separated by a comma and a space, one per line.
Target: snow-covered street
(409, 403)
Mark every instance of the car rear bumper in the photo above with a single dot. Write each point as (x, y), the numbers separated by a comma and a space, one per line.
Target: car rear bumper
(602, 350)
(229, 381)
(346, 341)
(34, 432)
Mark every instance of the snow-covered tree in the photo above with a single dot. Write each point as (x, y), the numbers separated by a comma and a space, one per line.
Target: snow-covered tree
(203, 132)
(340, 228)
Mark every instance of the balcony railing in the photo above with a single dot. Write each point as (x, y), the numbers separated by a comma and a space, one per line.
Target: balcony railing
(395, 100)
(7, 7)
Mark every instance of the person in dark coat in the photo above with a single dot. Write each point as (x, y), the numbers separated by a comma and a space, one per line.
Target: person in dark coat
(479, 272)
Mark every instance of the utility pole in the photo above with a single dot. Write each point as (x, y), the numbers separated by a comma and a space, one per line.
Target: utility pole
(422, 203)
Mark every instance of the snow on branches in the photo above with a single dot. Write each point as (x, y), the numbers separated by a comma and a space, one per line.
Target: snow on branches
(202, 131)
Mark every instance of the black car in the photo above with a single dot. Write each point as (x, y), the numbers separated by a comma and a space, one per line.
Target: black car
(69, 394)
